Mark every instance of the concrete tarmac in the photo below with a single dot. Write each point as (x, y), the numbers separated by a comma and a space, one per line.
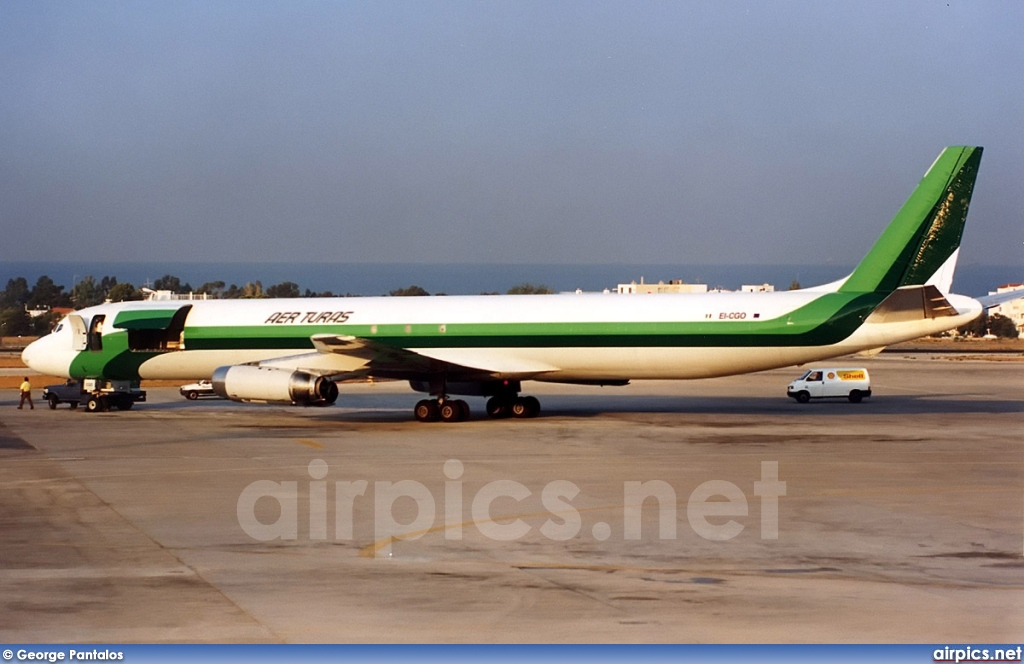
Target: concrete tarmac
(902, 517)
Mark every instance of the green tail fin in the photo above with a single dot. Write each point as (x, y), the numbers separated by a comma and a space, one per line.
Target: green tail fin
(927, 229)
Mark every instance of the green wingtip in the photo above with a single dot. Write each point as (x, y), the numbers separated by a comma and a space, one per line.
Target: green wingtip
(927, 229)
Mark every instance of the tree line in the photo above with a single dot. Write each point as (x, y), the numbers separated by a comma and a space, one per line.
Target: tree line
(994, 324)
(18, 298)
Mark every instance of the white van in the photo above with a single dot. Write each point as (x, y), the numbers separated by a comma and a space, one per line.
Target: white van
(854, 384)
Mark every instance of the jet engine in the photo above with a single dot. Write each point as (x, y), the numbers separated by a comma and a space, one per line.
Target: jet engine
(248, 383)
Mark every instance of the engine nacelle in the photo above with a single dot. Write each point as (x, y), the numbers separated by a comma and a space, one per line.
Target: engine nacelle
(252, 384)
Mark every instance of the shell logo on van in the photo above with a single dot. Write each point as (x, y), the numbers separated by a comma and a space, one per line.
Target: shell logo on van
(850, 375)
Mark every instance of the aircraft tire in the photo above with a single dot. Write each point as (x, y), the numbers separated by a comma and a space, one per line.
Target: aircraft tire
(450, 411)
(426, 411)
(525, 407)
(498, 407)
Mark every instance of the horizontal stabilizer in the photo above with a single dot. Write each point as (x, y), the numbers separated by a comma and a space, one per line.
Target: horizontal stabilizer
(912, 303)
(1000, 298)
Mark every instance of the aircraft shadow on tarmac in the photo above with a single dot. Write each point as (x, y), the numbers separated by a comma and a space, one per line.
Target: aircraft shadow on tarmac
(398, 408)
(597, 406)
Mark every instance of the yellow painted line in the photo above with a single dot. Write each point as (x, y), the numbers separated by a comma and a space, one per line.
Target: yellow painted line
(310, 443)
(371, 550)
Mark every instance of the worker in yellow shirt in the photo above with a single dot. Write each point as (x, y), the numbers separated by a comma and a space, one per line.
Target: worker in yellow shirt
(26, 394)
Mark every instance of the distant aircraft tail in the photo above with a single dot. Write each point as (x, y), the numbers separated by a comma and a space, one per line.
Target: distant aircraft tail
(921, 244)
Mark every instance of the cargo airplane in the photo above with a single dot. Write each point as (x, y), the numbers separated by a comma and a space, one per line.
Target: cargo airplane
(295, 350)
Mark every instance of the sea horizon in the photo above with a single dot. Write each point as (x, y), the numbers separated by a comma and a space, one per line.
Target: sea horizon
(473, 278)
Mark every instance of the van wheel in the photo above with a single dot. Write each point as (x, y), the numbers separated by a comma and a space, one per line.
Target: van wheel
(855, 396)
(192, 395)
(803, 396)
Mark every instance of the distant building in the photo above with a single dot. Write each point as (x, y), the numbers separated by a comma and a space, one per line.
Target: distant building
(1013, 310)
(151, 294)
(679, 286)
(60, 311)
(674, 286)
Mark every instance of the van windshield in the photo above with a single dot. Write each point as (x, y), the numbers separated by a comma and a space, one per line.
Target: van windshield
(804, 377)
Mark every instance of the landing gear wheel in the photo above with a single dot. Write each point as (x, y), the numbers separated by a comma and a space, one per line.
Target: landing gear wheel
(53, 401)
(803, 397)
(450, 411)
(426, 411)
(453, 410)
(498, 407)
(524, 407)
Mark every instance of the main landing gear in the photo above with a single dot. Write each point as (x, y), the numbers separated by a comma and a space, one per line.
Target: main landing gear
(513, 406)
(504, 400)
(446, 410)
(456, 410)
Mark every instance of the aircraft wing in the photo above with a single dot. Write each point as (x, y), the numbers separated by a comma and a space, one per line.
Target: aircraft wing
(369, 351)
(465, 364)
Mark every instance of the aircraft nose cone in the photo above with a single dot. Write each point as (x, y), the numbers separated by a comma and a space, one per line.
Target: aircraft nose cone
(39, 357)
(30, 353)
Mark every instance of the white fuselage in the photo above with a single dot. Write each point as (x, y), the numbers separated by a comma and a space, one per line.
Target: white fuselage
(437, 316)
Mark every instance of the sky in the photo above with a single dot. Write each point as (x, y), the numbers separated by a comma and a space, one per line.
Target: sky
(499, 132)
